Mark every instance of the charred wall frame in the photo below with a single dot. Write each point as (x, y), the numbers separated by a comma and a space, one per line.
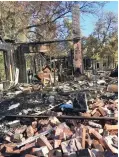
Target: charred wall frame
(8, 52)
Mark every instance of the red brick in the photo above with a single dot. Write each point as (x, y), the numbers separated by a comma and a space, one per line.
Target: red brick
(98, 146)
(99, 103)
(34, 124)
(28, 146)
(8, 138)
(94, 111)
(29, 155)
(97, 114)
(36, 133)
(83, 137)
(97, 136)
(43, 141)
(43, 122)
(35, 130)
(115, 113)
(62, 131)
(112, 88)
(57, 143)
(95, 133)
(109, 146)
(20, 130)
(11, 150)
(9, 133)
(54, 121)
(30, 131)
(110, 127)
(102, 112)
(86, 114)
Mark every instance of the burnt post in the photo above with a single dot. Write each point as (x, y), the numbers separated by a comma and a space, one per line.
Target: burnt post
(78, 63)
(21, 64)
(8, 52)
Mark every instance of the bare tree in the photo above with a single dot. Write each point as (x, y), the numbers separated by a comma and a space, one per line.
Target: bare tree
(105, 26)
(24, 17)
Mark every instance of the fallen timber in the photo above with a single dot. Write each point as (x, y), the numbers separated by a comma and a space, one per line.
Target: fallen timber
(31, 139)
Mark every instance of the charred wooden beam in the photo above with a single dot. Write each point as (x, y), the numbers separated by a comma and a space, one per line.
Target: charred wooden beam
(21, 64)
(8, 51)
(47, 42)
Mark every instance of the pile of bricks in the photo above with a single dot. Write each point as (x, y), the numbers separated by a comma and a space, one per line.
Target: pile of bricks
(68, 138)
(99, 108)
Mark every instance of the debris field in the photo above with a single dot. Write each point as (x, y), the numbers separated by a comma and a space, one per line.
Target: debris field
(76, 119)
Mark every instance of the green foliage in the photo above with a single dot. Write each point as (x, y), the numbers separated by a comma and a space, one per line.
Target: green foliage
(104, 40)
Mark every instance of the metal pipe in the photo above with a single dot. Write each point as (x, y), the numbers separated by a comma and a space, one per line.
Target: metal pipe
(63, 117)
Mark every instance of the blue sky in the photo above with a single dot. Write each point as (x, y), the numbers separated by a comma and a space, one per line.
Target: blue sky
(88, 22)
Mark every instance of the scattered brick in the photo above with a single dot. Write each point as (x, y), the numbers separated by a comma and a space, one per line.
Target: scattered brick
(95, 133)
(28, 146)
(57, 143)
(102, 112)
(30, 131)
(98, 146)
(67, 139)
(62, 131)
(20, 130)
(112, 88)
(8, 138)
(9, 134)
(34, 124)
(96, 114)
(108, 143)
(54, 121)
(98, 103)
(86, 114)
(94, 111)
(110, 127)
(43, 141)
(29, 155)
(83, 137)
(10, 148)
